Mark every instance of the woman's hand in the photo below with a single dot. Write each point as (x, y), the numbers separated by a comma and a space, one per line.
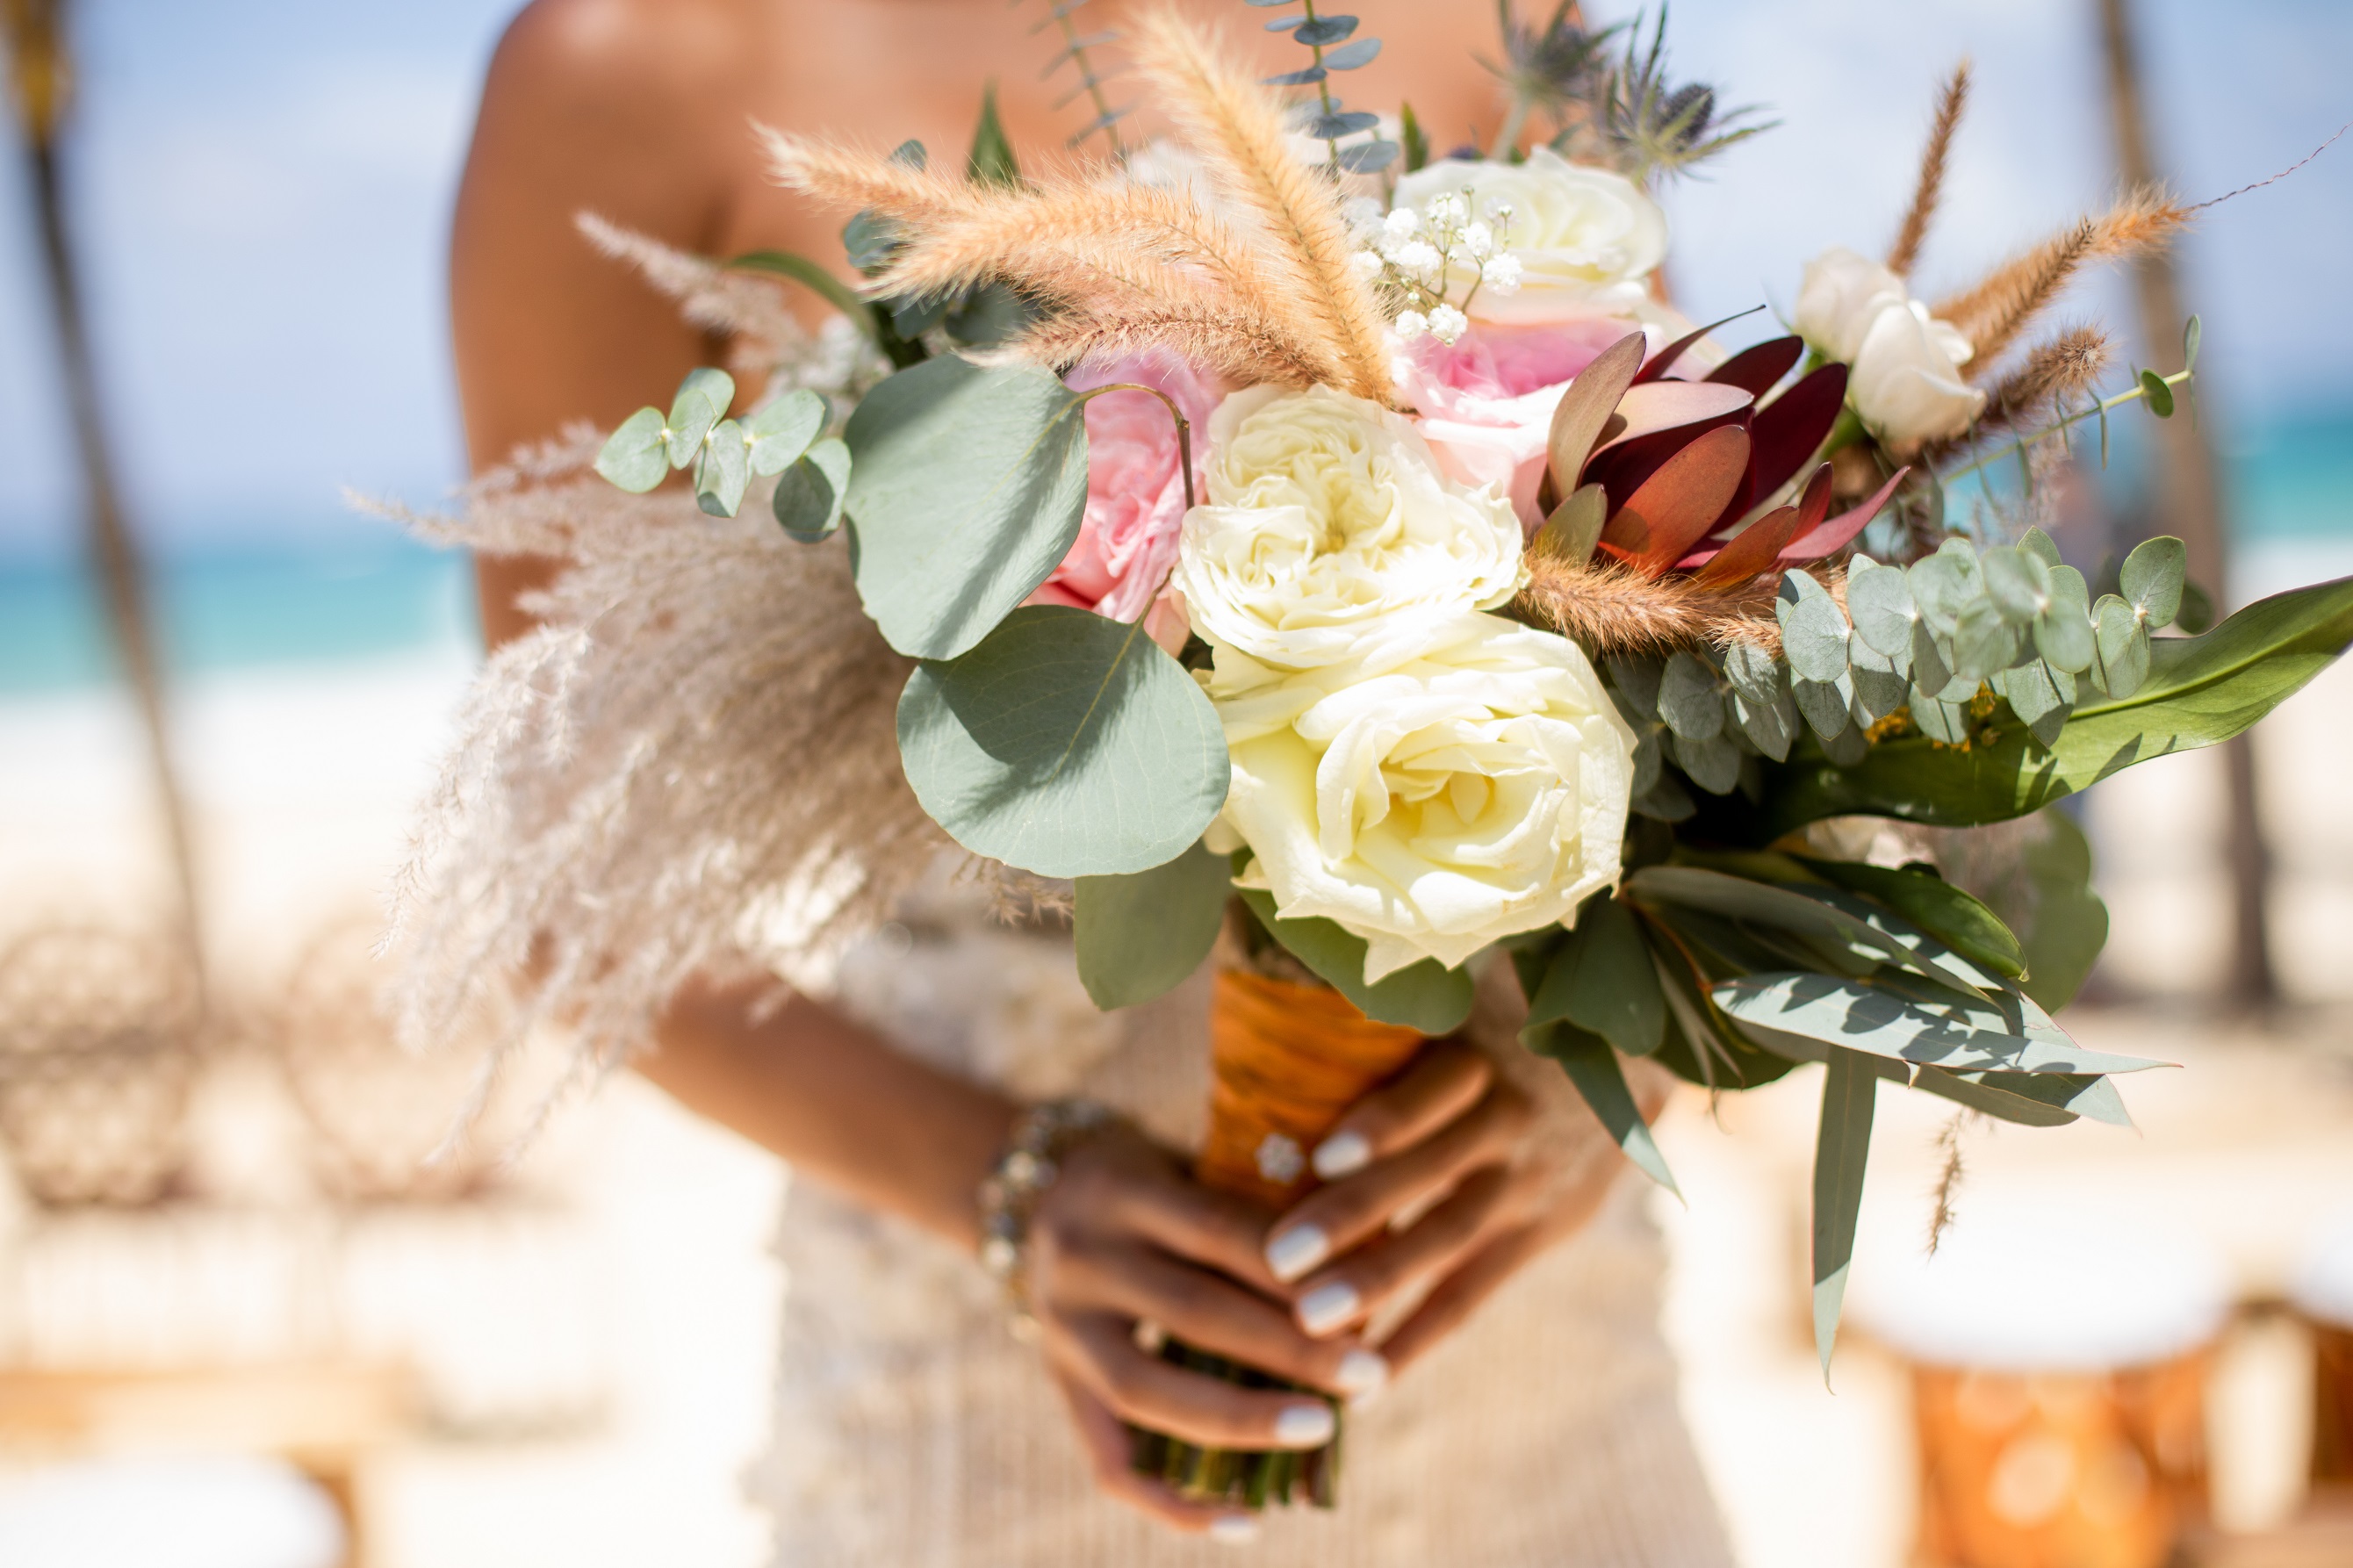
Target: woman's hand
(1124, 1238)
(1435, 1195)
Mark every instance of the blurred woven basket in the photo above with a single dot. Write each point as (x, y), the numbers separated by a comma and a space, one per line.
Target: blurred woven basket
(100, 1032)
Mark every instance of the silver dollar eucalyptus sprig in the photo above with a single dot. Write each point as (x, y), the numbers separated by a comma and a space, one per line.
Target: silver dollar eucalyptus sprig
(1332, 46)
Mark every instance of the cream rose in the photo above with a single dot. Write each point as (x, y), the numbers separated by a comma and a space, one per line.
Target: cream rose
(1584, 237)
(1328, 524)
(1433, 797)
(1902, 365)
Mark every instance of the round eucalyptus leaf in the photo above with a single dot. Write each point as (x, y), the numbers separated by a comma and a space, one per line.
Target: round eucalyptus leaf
(1688, 698)
(1065, 743)
(637, 456)
(1983, 642)
(1847, 747)
(1352, 56)
(2123, 640)
(2017, 580)
(1325, 29)
(1824, 702)
(1880, 687)
(808, 502)
(2035, 698)
(1637, 679)
(2063, 632)
(2196, 615)
(722, 470)
(1368, 157)
(1140, 935)
(1713, 765)
(1944, 584)
(782, 431)
(967, 494)
(702, 403)
(2152, 578)
(1755, 674)
(1940, 721)
(1881, 602)
(1813, 628)
(1649, 759)
(1771, 726)
(2041, 546)
(2158, 395)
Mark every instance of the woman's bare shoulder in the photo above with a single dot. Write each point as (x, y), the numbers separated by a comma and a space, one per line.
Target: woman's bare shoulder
(624, 65)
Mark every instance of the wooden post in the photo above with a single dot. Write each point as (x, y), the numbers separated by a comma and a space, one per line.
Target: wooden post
(2189, 503)
(41, 77)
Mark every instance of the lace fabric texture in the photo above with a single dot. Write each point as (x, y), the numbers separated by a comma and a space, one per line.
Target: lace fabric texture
(914, 1431)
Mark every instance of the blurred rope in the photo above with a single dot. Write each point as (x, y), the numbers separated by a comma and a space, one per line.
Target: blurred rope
(41, 81)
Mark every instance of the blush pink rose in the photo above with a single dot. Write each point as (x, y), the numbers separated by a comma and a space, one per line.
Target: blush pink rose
(1485, 401)
(1135, 489)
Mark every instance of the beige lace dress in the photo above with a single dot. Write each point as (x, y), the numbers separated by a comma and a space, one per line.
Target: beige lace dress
(912, 1430)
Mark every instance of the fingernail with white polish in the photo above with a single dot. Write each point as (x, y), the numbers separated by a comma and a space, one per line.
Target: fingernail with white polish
(1342, 1154)
(1234, 1530)
(1361, 1374)
(1297, 1250)
(1325, 1308)
(1305, 1426)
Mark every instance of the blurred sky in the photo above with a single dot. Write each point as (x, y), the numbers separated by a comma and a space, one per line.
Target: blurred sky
(263, 191)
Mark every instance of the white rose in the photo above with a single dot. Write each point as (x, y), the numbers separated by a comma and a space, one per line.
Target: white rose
(1329, 522)
(1904, 380)
(1842, 294)
(1902, 365)
(1432, 798)
(1584, 237)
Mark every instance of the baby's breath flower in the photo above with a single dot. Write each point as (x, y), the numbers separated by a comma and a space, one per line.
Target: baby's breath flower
(1499, 212)
(1447, 208)
(1403, 222)
(1447, 323)
(1364, 215)
(1418, 255)
(1411, 325)
(1478, 240)
(1502, 273)
(1368, 263)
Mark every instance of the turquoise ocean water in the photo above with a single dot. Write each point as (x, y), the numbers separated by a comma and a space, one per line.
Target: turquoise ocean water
(382, 595)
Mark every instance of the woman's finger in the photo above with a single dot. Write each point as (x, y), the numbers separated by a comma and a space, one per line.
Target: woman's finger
(1209, 1313)
(1480, 1276)
(1444, 1081)
(1099, 1349)
(1122, 1185)
(1361, 1284)
(1108, 1445)
(1328, 1222)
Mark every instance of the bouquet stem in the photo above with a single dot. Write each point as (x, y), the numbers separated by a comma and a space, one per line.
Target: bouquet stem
(1287, 1061)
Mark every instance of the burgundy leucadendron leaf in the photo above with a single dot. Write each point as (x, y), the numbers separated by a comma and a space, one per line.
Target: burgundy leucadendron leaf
(1665, 360)
(1791, 429)
(1677, 505)
(1662, 417)
(1812, 506)
(1760, 369)
(1760, 545)
(1834, 535)
(1580, 419)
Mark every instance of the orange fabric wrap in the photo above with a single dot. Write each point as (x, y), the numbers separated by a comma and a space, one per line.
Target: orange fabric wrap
(1287, 1060)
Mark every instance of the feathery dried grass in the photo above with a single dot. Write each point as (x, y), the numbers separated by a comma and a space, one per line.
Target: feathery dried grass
(1994, 313)
(691, 764)
(1950, 105)
(1610, 609)
(1236, 127)
(1122, 264)
(2059, 370)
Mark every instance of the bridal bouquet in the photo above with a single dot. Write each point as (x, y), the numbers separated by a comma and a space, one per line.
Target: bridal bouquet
(1282, 530)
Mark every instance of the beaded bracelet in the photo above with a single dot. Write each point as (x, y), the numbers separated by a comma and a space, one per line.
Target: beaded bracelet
(1041, 1136)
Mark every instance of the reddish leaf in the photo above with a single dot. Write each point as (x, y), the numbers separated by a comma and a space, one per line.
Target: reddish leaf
(1828, 538)
(1675, 506)
(1662, 418)
(1790, 428)
(1580, 421)
(1760, 545)
(1813, 505)
(1761, 368)
(1665, 360)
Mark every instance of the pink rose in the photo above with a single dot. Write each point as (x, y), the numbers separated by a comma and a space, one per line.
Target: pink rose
(1486, 400)
(1135, 490)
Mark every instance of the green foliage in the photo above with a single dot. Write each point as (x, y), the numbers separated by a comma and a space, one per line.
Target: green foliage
(991, 160)
(2199, 691)
(1599, 978)
(782, 432)
(1426, 995)
(1332, 46)
(1936, 906)
(1906, 1019)
(808, 502)
(636, 457)
(1140, 934)
(1414, 144)
(1593, 1067)
(722, 469)
(818, 280)
(967, 492)
(2067, 924)
(1065, 743)
(1841, 1148)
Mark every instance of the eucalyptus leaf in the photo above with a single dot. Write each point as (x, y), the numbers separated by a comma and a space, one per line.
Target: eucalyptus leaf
(1347, 122)
(1825, 704)
(1809, 913)
(783, 431)
(1637, 679)
(1368, 157)
(1996, 1099)
(1771, 726)
(636, 457)
(1943, 722)
(2034, 694)
(808, 502)
(1944, 584)
(1912, 1024)
(1141, 934)
(1593, 1067)
(702, 403)
(2158, 395)
(1600, 979)
(1714, 763)
(1814, 629)
(1936, 906)
(1426, 995)
(2067, 924)
(2017, 580)
(2042, 547)
(967, 492)
(1305, 75)
(1352, 56)
(1688, 698)
(1880, 687)
(2122, 640)
(722, 470)
(1841, 1148)
(2152, 576)
(1325, 29)
(1984, 641)
(1666, 801)
(1846, 747)
(1065, 743)
(1881, 602)
(2063, 633)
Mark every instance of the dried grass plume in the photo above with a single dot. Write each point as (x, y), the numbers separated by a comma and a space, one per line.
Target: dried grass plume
(1950, 103)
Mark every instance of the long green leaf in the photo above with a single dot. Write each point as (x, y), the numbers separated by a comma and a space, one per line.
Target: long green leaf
(1841, 1148)
(2199, 691)
(1593, 1067)
(1600, 979)
(1141, 934)
(2068, 923)
(967, 492)
(817, 279)
(1764, 903)
(1426, 995)
(1067, 744)
(991, 160)
(1910, 1023)
(2032, 1099)
(1936, 906)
